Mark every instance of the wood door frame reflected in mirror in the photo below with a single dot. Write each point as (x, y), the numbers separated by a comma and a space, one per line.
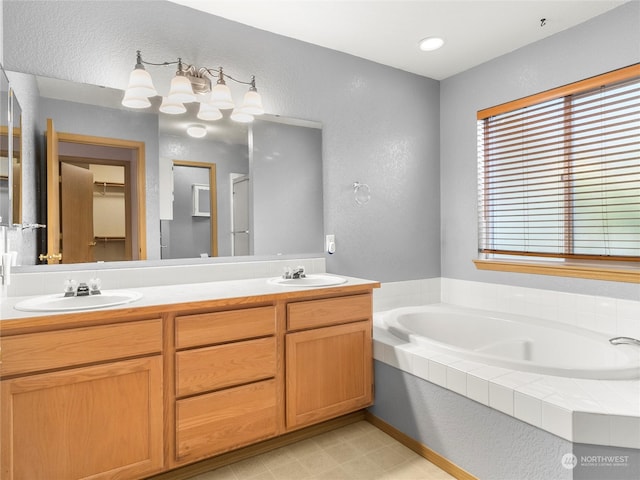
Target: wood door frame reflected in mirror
(213, 219)
(137, 189)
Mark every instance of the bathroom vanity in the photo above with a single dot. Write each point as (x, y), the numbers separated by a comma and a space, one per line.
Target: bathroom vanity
(144, 388)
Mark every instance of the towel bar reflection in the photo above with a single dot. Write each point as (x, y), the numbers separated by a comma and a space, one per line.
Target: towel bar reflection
(361, 192)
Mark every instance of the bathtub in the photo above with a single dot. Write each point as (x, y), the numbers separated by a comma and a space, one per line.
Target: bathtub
(515, 342)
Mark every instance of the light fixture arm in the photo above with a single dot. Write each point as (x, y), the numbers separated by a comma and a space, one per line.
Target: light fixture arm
(195, 71)
(189, 81)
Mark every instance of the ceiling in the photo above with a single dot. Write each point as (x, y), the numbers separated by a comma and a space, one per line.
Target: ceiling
(388, 31)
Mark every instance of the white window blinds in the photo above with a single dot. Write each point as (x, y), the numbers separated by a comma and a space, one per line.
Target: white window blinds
(559, 173)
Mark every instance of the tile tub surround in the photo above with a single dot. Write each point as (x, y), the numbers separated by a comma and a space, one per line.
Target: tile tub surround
(608, 315)
(581, 411)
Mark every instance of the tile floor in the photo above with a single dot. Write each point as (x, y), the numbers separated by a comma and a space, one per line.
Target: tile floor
(357, 451)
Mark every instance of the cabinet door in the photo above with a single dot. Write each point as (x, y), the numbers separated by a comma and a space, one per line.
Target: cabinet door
(94, 422)
(328, 372)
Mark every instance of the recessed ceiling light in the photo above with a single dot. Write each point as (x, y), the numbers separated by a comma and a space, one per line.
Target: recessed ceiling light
(430, 43)
(197, 131)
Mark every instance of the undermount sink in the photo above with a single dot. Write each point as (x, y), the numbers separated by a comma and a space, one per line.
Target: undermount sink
(59, 303)
(310, 280)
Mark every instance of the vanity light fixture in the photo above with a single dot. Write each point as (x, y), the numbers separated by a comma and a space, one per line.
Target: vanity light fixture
(197, 131)
(430, 43)
(192, 84)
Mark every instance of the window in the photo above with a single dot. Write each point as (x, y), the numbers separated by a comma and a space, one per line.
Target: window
(559, 173)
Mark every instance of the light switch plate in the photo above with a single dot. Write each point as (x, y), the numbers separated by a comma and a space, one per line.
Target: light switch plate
(330, 243)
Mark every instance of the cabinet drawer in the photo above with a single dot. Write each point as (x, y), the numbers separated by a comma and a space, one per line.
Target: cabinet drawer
(220, 327)
(222, 366)
(64, 348)
(221, 421)
(318, 313)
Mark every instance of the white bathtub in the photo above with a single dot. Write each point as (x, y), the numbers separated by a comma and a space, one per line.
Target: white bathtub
(512, 341)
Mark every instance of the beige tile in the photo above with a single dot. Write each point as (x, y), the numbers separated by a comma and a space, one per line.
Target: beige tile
(337, 473)
(362, 468)
(318, 462)
(355, 452)
(406, 452)
(266, 475)
(223, 473)
(249, 468)
(276, 458)
(330, 438)
(291, 471)
(431, 470)
(406, 471)
(304, 448)
(342, 452)
(386, 458)
(366, 443)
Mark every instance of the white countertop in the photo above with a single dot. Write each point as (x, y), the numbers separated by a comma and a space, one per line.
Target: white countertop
(184, 293)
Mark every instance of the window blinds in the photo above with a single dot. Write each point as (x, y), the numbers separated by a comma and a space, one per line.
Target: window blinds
(559, 175)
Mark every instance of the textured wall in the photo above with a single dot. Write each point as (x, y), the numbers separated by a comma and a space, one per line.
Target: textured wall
(605, 43)
(483, 441)
(286, 179)
(380, 125)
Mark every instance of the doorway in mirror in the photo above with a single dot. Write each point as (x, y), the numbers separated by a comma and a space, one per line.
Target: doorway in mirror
(193, 230)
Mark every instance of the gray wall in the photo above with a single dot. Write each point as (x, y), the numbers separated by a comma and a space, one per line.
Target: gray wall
(605, 43)
(387, 138)
(229, 158)
(286, 180)
(186, 236)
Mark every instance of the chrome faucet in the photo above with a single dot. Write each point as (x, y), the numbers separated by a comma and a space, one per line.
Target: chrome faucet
(73, 289)
(297, 272)
(624, 341)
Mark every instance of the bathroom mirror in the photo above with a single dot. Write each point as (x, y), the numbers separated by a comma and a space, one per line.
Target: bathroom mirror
(282, 170)
(5, 184)
(16, 159)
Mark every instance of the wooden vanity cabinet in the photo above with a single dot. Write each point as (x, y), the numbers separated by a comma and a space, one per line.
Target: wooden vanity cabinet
(126, 395)
(329, 364)
(83, 403)
(225, 381)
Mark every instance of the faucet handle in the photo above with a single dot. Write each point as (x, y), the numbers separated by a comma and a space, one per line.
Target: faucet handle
(94, 286)
(70, 287)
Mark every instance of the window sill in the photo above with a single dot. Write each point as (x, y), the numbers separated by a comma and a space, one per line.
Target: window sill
(592, 272)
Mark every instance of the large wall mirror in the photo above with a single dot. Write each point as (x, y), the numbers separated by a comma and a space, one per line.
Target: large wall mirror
(241, 190)
(10, 154)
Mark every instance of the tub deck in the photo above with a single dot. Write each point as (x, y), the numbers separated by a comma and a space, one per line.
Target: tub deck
(599, 412)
